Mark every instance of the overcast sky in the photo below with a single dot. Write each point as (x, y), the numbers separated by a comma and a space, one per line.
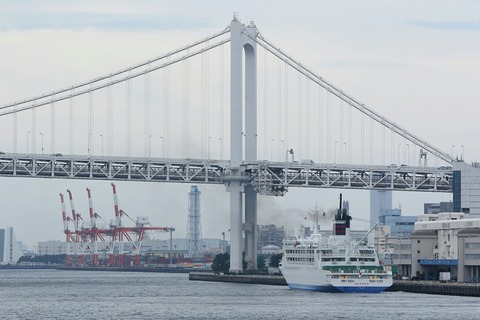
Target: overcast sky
(415, 62)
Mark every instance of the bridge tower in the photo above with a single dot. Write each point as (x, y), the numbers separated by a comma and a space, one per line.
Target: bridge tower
(243, 92)
(194, 230)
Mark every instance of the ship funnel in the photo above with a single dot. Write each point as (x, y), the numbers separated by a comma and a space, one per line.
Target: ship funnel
(342, 219)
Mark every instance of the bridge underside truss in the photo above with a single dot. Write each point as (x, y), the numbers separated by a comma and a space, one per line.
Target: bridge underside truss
(267, 178)
(100, 168)
(274, 178)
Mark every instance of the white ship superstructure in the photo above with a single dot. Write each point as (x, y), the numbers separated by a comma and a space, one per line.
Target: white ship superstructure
(333, 263)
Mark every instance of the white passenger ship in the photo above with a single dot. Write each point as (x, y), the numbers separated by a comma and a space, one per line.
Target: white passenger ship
(333, 263)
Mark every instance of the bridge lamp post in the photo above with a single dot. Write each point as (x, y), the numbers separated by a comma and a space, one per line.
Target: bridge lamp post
(150, 146)
(102, 143)
(41, 134)
(28, 135)
(282, 148)
(208, 148)
(162, 145)
(408, 153)
(271, 149)
(89, 141)
(345, 144)
(399, 145)
(335, 152)
(221, 148)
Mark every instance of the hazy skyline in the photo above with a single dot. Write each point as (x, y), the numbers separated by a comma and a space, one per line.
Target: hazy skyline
(415, 63)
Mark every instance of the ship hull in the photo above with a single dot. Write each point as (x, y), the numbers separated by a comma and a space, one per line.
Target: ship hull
(348, 289)
(310, 287)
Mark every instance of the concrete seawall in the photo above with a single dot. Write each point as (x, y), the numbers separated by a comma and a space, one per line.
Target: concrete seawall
(165, 270)
(251, 279)
(428, 287)
(435, 287)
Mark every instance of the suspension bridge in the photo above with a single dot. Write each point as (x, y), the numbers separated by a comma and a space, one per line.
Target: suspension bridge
(231, 109)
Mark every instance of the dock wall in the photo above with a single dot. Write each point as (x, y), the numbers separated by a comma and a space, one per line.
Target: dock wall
(251, 279)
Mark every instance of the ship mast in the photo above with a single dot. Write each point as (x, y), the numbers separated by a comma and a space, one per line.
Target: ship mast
(314, 215)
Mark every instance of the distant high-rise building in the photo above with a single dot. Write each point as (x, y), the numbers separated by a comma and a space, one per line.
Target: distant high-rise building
(10, 249)
(400, 226)
(270, 235)
(380, 200)
(437, 207)
(194, 227)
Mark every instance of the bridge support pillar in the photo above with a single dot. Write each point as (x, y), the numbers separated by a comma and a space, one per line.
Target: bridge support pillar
(242, 43)
(250, 228)
(236, 200)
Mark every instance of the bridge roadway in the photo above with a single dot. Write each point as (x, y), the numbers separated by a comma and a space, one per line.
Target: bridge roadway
(267, 178)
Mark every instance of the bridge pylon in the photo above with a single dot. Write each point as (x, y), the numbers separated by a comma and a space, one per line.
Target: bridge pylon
(243, 89)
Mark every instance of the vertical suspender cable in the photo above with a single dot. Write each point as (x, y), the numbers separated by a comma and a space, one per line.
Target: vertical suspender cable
(350, 141)
(72, 123)
(307, 117)
(320, 123)
(207, 100)
(329, 144)
(34, 130)
(90, 121)
(167, 110)
(342, 139)
(371, 141)
(222, 100)
(300, 122)
(185, 109)
(109, 120)
(392, 146)
(362, 136)
(279, 104)
(147, 117)
(383, 144)
(164, 110)
(52, 125)
(14, 118)
(127, 121)
(265, 103)
(287, 146)
(203, 130)
(129, 117)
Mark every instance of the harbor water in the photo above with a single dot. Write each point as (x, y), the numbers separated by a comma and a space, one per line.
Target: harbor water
(53, 294)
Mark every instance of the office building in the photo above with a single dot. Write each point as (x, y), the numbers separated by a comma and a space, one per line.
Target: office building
(10, 249)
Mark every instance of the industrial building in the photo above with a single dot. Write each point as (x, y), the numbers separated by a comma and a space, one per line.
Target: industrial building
(446, 242)
(10, 248)
(51, 248)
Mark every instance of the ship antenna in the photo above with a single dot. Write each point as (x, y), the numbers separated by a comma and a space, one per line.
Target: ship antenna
(340, 206)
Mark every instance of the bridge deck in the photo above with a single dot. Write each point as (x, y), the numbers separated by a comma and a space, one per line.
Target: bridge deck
(269, 178)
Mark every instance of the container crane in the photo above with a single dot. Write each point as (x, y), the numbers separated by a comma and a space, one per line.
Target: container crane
(94, 231)
(118, 234)
(79, 258)
(69, 235)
